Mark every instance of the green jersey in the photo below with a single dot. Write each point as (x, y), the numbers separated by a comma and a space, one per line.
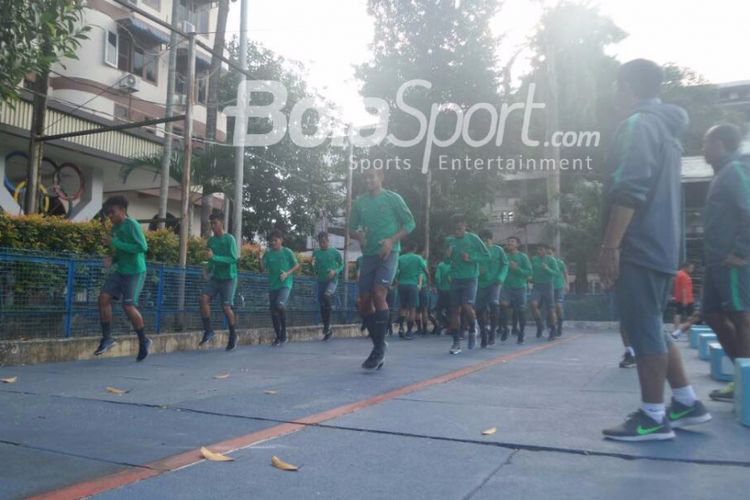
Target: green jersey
(545, 269)
(559, 281)
(130, 247)
(492, 271)
(473, 247)
(425, 276)
(276, 262)
(410, 268)
(325, 261)
(443, 277)
(380, 217)
(519, 270)
(223, 264)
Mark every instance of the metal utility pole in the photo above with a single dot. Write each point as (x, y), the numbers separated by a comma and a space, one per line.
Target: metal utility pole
(552, 125)
(428, 207)
(241, 122)
(166, 157)
(188, 152)
(347, 214)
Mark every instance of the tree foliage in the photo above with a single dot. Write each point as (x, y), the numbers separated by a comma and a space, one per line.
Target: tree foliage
(453, 48)
(34, 35)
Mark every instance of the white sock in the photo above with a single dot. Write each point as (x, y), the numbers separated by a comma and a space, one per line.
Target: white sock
(685, 395)
(656, 411)
(630, 350)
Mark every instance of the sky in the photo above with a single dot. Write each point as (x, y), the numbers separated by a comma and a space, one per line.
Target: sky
(332, 36)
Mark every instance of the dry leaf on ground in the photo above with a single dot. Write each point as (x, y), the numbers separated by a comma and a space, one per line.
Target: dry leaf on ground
(269, 391)
(213, 456)
(280, 464)
(115, 390)
(489, 432)
(9, 380)
(222, 375)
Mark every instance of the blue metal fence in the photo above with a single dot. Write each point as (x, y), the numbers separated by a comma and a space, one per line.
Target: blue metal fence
(53, 296)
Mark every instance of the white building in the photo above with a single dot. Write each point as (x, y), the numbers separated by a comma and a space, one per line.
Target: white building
(120, 76)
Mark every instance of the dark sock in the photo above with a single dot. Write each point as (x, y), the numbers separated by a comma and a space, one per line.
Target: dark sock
(141, 335)
(409, 326)
(379, 326)
(282, 322)
(276, 324)
(106, 329)
(494, 313)
(515, 315)
(419, 325)
(521, 320)
(206, 324)
(232, 329)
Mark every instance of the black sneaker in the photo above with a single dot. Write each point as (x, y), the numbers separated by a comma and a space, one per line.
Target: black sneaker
(491, 338)
(472, 340)
(327, 334)
(207, 337)
(283, 340)
(456, 347)
(407, 336)
(232, 343)
(539, 332)
(504, 335)
(276, 342)
(105, 345)
(516, 332)
(640, 427)
(680, 415)
(628, 360)
(520, 337)
(375, 360)
(725, 394)
(483, 335)
(552, 334)
(143, 348)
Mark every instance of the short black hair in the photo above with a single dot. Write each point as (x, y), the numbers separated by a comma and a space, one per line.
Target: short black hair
(642, 77)
(116, 201)
(322, 236)
(276, 234)
(216, 215)
(410, 246)
(516, 239)
(685, 264)
(727, 134)
(485, 234)
(457, 219)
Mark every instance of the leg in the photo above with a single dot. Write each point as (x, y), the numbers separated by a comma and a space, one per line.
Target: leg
(741, 322)
(105, 315)
(205, 305)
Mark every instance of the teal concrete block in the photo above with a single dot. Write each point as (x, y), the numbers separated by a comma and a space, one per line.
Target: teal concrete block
(742, 390)
(696, 330)
(722, 368)
(703, 340)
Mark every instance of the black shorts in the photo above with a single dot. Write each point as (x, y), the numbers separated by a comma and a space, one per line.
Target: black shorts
(684, 310)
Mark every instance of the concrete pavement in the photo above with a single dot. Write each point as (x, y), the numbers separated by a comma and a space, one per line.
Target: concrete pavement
(407, 431)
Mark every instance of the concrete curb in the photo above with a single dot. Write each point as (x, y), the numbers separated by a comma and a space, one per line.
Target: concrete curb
(29, 352)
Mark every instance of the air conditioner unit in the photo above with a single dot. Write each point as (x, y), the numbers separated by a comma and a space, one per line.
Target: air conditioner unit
(188, 27)
(130, 84)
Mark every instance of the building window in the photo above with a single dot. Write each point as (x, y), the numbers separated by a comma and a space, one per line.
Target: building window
(195, 13)
(110, 48)
(154, 4)
(122, 113)
(135, 59)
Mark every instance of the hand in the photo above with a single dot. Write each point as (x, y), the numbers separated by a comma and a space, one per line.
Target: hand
(514, 265)
(107, 240)
(283, 276)
(331, 275)
(465, 257)
(362, 238)
(733, 261)
(386, 246)
(210, 254)
(609, 266)
(449, 253)
(107, 261)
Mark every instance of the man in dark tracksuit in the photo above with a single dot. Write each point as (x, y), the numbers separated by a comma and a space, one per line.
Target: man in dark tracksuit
(639, 254)
(726, 283)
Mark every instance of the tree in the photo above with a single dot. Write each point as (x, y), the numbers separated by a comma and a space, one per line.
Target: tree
(452, 48)
(36, 34)
(286, 187)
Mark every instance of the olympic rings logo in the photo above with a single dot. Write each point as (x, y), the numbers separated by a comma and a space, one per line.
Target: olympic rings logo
(57, 190)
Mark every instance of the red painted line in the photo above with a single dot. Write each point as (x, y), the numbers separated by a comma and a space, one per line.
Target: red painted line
(192, 457)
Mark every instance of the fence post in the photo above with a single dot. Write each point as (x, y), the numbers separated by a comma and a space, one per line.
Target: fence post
(159, 299)
(69, 298)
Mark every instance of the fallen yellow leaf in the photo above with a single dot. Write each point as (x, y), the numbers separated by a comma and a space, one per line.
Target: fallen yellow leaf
(280, 464)
(269, 391)
(222, 375)
(115, 390)
(489, 432)
(213, 456)
(9, 380)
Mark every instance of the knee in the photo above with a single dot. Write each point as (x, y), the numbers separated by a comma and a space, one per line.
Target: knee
(228, 310)
(104, 300)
